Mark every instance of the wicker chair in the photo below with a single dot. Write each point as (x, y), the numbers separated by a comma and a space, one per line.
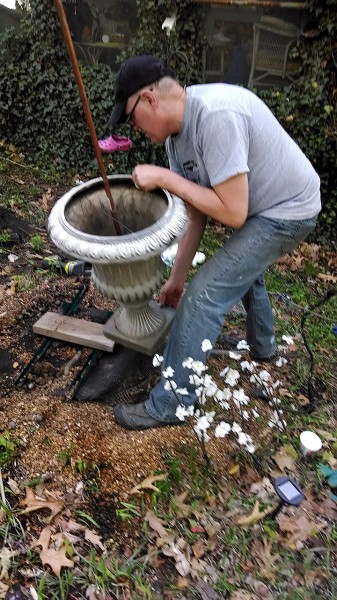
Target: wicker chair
(273, 40)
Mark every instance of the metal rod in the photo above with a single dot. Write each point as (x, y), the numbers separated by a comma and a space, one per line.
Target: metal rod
(87, 111)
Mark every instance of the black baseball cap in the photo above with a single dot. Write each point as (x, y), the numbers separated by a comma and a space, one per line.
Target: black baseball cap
(134, 74)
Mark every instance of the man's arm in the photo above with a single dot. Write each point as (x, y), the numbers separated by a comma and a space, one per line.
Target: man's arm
(226, 202)
(172, 290)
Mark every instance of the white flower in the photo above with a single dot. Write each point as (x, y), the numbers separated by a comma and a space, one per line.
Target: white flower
(255, 413)
(234, 355)
(264, 375)
(169, 372)
(170, 385)
(242, 438)
(231, 376)
(181, 412)
(222, 429)
(242, 345)
(188, 363)
(202, 423)
(195, 380)
(182, 391)
(236, 427)
(240, 396)
(250, 448)
(245, 415)
(288, 339)
(210, 386)
(224, 405)
(281, 361)
(157, 360)
(248, 366)
(206, 345)
(198, 367)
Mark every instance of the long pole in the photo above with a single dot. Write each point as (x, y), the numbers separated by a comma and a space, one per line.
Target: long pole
(87, 111)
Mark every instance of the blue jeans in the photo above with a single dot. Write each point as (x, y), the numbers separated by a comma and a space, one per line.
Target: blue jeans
(233, 273)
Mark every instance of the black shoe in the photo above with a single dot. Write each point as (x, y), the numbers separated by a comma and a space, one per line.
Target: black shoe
(136, 417)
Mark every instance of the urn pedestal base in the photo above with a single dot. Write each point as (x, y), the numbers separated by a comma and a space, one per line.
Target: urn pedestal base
(147, 344)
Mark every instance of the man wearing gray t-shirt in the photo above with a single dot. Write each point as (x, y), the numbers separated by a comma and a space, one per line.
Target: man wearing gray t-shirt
(230, 160)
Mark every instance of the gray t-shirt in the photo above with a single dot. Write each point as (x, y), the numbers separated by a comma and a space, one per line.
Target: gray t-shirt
(228, 130)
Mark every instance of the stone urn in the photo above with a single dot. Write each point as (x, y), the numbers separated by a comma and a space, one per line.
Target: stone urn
(127, 267)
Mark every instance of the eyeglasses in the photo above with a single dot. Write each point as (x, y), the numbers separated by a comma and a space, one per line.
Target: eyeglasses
(129, 117)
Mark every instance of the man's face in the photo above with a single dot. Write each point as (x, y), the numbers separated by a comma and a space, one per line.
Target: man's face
(143, 113)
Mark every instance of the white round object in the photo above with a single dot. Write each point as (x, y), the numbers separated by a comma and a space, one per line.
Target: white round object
(105, 38)
(309, 443)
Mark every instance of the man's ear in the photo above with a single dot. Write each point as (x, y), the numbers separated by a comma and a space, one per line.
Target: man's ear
(150, 97)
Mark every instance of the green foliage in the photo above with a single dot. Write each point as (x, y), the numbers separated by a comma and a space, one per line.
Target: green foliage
(308, 111)
(7, 449)
(40, 107)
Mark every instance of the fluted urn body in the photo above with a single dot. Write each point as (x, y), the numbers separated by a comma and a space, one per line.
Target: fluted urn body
(127, 267)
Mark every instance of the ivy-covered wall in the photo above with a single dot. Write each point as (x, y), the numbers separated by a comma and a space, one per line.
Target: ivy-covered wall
(41, 112)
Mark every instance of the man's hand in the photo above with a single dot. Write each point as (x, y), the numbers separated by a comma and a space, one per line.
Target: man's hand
(148, 177)
(171, 293)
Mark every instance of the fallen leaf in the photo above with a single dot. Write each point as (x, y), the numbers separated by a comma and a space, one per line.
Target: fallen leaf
(255, 516)
(262, 552)
(327, 277)
(242, 594)
(234, 469)
(95, 539)
(147, 484)
(3, 589)
(199, 549)
(43, 539)
(35, 503)
(182, 509)
(182, 564)
(259, 587)
(156, 524)
(284, 458)
(299, 526)
(56, 559)
(5, 561)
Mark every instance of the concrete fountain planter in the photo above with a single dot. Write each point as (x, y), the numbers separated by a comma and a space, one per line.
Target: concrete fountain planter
(127, 267)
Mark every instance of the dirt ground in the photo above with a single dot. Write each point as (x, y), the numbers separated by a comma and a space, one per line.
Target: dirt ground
(53, 433)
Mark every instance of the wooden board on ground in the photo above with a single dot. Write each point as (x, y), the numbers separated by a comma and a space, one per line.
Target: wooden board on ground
(75, 331)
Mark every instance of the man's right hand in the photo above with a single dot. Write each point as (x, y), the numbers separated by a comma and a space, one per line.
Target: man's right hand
(170, 293)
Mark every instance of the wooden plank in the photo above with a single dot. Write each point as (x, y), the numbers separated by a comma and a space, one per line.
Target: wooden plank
(75, 331)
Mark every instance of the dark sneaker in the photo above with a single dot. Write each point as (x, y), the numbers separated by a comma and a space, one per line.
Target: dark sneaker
(263, 358)
(135, 416)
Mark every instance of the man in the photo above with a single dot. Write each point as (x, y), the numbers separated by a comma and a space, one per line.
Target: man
(232, 161)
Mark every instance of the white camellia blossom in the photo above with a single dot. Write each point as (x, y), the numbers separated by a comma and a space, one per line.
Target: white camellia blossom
(222, 429)
(248, 366)
(169, 372)
(231, 376)
(157, 360)
(170, 385)
(242, 345)
(198, 367)
(281, 361)
(235, 355)
(240, 396)
(264, 375)
(250, 448)
(236, 427)
(206, 345)
(288, 339)
(182, 391)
